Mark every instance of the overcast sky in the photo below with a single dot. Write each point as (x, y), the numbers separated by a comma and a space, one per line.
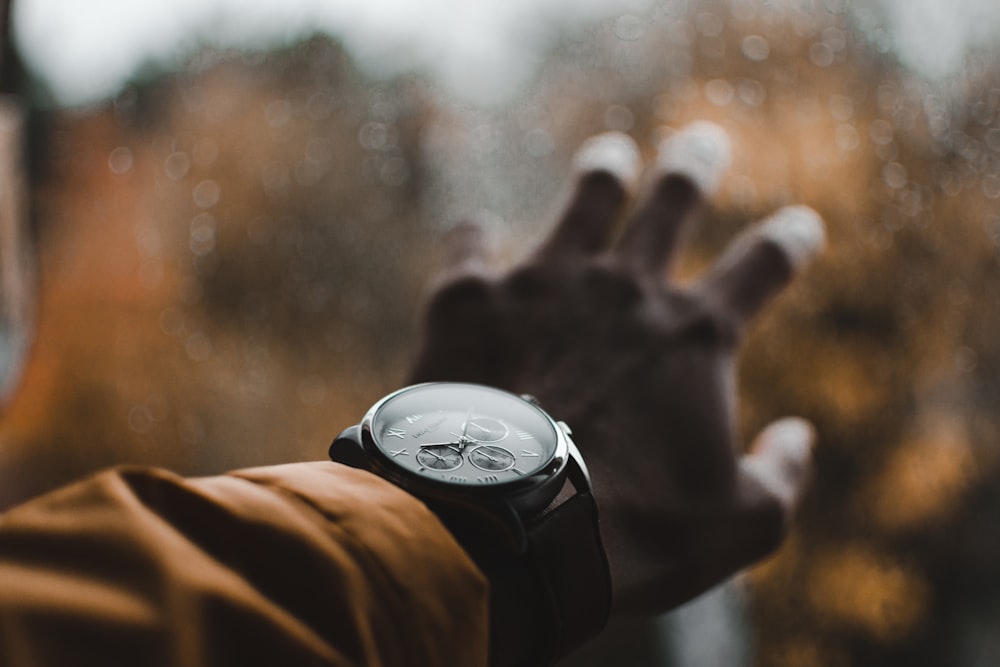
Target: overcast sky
(480, 49)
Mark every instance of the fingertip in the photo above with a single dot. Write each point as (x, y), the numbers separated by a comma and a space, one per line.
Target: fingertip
(794, 437)
(612, 152)
(701, 150)
(798, 230)
(468, 244)
(781, 458)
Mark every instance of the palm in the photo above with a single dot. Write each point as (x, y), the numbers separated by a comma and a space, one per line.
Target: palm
(642, 371)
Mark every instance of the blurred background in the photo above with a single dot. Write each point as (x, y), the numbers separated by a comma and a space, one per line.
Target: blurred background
(215, 241)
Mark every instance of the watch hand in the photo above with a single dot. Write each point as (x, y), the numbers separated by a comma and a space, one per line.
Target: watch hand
(465, 426)
(482, 453)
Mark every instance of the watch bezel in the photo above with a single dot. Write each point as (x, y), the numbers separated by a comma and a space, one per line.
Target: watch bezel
(540, 481)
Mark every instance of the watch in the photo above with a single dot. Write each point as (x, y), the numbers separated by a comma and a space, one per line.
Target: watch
(508, 481)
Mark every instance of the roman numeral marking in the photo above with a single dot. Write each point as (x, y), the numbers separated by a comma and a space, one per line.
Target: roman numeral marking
(529, 453)
(524, 435)
(413, 419)
(398, 452)
(396, 433)
(489, 479)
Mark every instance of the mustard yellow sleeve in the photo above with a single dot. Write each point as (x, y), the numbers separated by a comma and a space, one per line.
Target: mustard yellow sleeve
(300, 564)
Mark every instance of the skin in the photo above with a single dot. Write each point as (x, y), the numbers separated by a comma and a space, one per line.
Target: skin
(643, 371)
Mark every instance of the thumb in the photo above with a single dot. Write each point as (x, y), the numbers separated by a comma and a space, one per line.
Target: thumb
(780, 460)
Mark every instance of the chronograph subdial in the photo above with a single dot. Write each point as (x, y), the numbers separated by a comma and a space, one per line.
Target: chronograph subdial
(492, 458)
(440, 457)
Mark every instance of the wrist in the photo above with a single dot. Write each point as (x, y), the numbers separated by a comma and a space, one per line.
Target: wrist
(522, 631)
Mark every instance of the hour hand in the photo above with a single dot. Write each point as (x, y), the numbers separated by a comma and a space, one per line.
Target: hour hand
(453, 445)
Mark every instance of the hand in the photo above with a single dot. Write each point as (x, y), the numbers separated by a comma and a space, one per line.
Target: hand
(642, 369)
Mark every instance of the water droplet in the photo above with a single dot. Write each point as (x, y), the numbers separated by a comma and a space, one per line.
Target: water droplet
(751, 92)
(171, 321)
(821, 54)
(847, 137)
(911, 202)
(719, 92)
(140, 419)
(199, 347)
(120, 160)
(319, 150)
(206, 194)
(708, 24)
(835, 38)
(374, 136)
(177, 165)
(629, 28)
(202, 238)
(881, 132)
(485, 139)
(894, 175)
(756, 48)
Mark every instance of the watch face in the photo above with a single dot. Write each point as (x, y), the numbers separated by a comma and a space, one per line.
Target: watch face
(464, 434)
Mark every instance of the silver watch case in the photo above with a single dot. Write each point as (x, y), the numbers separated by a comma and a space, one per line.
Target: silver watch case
(504, 505)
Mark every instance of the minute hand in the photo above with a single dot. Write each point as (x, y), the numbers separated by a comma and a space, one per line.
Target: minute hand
(465, 426)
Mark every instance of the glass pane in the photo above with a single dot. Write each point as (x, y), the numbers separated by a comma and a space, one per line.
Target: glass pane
(237, 222)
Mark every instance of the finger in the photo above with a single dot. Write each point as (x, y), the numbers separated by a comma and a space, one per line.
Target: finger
(758, 264)
(690, 165)
(608, 168)
(468, 245)
(469, 248)
(773, 479)
(781, 459)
